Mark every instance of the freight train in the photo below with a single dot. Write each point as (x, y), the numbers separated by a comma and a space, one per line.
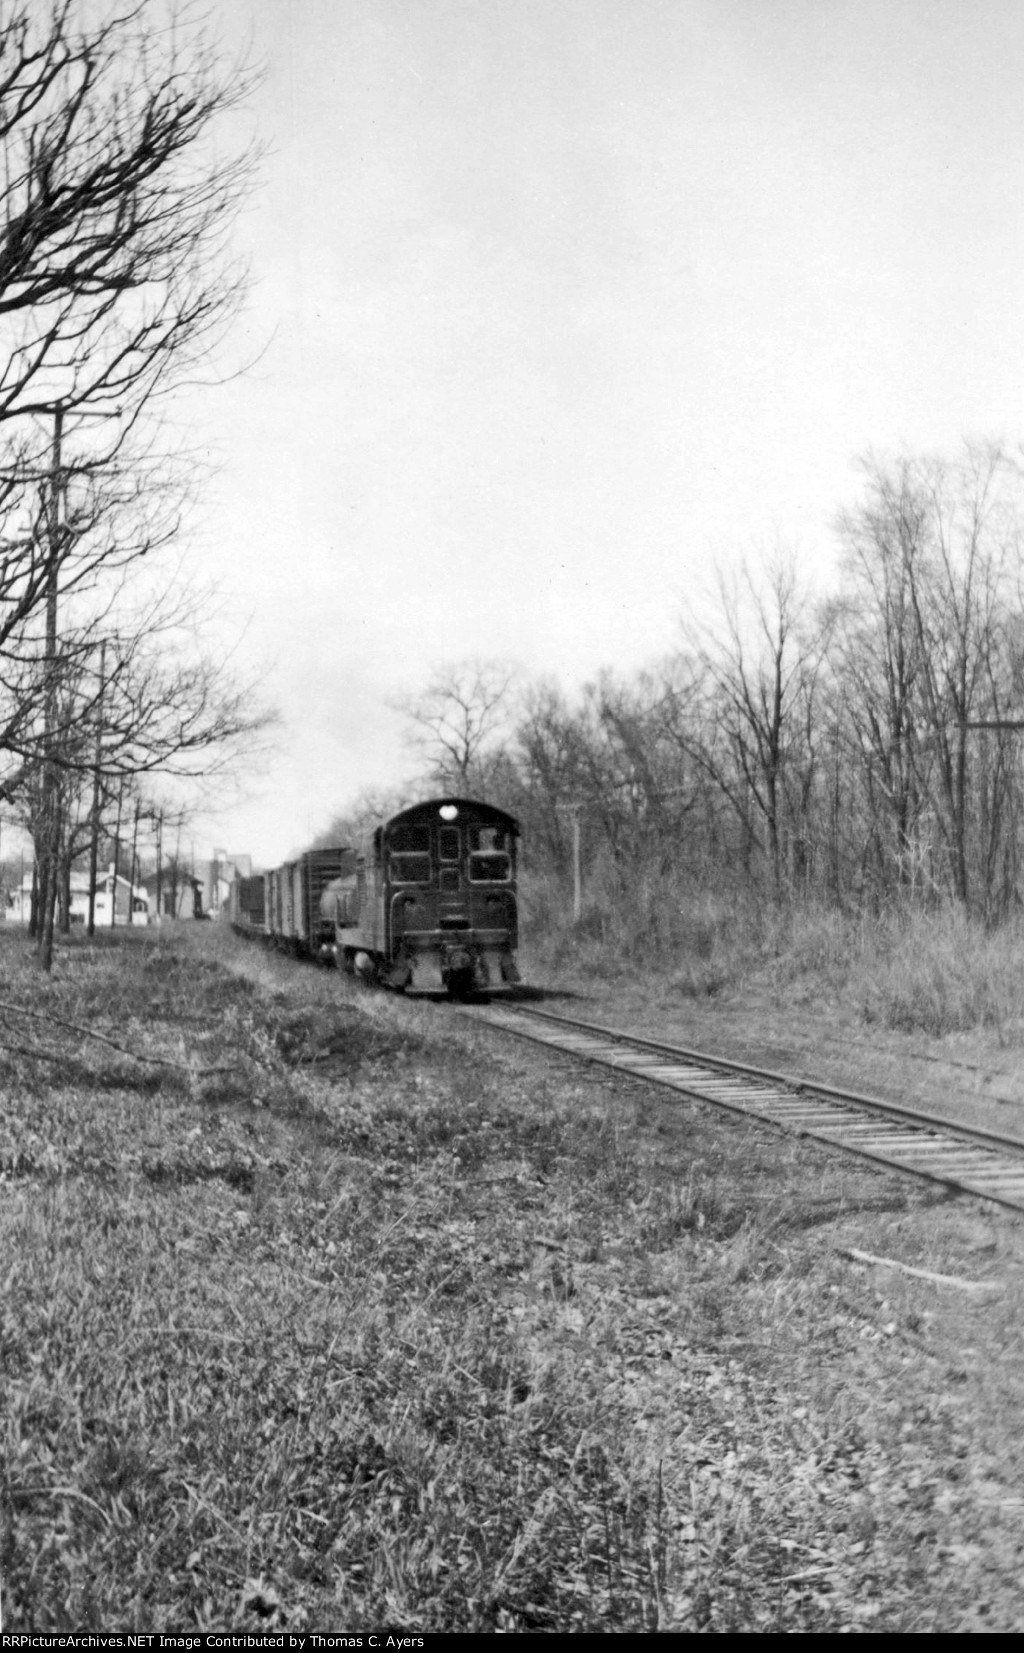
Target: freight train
(427, 902)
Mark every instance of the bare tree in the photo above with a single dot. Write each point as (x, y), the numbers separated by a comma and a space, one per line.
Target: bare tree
(109, 518)
(959, 614)
(760, 661)
(115, 205)
(930, 658)
(366, 810)
(115, 283)
(551, 769)
(457, 718)
(878, 659)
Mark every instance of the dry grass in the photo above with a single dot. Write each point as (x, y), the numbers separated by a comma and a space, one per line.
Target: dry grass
(940, 974)
(934, 972)
(394, 1325)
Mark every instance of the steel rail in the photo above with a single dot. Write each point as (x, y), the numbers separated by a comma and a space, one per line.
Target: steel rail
(789, 1081)
(910, 1140)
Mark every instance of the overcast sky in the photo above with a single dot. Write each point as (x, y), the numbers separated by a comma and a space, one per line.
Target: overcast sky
(561, 302)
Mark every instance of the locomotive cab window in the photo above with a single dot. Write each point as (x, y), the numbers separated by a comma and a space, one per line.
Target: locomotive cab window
(488, 838)
(448, 843)
(405, 837)
(409, 869)
(489, 869)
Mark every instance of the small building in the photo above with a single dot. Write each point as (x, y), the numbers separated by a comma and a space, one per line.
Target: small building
(126, 900)
(130, 906)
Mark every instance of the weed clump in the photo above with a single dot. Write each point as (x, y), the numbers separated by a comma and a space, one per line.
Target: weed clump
(934, 972)
(943, 974)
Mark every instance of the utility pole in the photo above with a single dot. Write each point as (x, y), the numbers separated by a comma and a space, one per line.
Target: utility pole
(94, 832)
(131, 881)
(577, 873)
(117, 853)
(159, 863)
(51, 799)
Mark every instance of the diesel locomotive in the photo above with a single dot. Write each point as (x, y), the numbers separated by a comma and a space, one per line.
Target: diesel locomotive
(428, 902)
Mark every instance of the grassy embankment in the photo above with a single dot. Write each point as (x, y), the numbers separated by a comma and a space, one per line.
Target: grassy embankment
(913, 971)
(349, 1315)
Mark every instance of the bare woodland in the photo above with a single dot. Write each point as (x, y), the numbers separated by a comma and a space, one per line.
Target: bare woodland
(863, 749)
(116, 283)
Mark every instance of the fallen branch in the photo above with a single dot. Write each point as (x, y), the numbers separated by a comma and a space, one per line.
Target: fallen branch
(104, 1039)
(919, 1273)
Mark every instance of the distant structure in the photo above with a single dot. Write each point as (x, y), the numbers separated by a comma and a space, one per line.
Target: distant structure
(217, 875)
(180, 890)
(131, 906)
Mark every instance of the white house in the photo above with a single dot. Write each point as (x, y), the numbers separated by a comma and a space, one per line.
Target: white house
(19, 901)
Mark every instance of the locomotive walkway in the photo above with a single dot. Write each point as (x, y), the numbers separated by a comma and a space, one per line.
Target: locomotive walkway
(902, 1139)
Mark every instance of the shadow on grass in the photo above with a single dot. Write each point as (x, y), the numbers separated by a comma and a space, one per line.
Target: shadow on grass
(545, 995)
(836, 1210)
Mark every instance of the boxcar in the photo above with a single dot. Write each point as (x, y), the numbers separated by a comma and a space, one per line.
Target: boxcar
(247, 904)
(286, 905)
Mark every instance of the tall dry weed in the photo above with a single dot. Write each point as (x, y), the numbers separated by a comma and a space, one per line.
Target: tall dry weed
(933, 972)
(941, 973)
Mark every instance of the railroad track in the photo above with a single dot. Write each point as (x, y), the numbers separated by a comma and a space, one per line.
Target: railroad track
(903, 1139)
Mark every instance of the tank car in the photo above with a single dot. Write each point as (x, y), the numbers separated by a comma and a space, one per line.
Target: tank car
(430, 903)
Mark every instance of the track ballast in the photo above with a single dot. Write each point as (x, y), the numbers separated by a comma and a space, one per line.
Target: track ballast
(899, 1138)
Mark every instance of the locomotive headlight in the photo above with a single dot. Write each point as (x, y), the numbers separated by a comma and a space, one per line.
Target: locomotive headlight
(448, 812)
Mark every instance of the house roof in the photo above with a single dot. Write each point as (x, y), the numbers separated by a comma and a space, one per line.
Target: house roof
(80, 882)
